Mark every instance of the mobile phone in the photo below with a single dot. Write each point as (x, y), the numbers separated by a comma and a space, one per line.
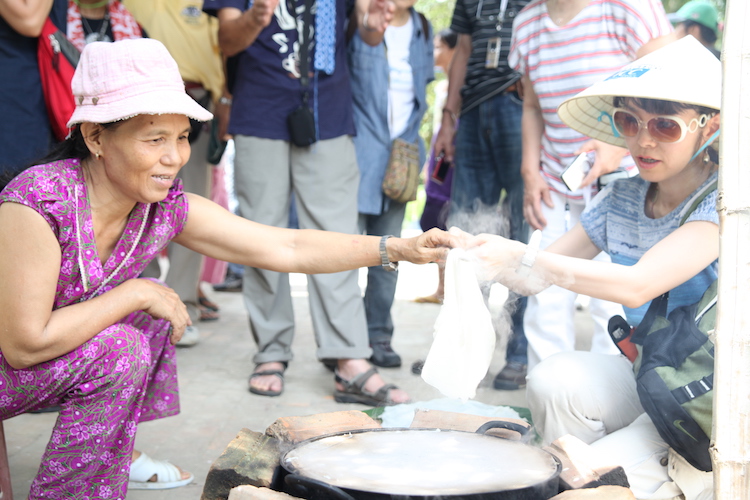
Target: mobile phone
(441, 169)
(576, 171)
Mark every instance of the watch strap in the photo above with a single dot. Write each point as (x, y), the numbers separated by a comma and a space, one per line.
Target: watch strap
(384, 260)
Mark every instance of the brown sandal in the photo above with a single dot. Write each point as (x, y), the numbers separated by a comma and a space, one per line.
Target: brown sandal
(354, 390)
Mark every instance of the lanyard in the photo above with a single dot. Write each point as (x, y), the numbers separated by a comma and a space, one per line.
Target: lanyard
(501, 14)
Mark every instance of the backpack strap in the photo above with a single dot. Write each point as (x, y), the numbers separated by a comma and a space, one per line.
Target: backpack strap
(696, 200)
(425, 26)
(658, 307)
(694, 389)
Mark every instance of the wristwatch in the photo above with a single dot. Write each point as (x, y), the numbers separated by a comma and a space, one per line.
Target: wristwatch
(384, 260)
(227, 101)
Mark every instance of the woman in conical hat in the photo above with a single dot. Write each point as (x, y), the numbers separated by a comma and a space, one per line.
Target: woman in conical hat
(668, 118)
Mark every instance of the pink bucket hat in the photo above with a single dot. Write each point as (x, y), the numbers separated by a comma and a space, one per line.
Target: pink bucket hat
(119, 80)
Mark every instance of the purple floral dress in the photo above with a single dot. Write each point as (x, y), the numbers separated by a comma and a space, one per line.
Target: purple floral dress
(125, 374)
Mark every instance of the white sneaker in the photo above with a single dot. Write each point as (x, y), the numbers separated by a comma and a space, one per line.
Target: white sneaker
(191, 337)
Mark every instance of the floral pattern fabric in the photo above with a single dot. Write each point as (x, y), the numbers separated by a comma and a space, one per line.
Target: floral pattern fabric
(125, 374)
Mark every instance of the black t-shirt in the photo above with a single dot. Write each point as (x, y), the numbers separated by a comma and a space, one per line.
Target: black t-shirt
(267, 86)
(479, 18)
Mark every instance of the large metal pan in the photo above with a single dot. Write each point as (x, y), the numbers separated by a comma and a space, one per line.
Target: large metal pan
(420, 464)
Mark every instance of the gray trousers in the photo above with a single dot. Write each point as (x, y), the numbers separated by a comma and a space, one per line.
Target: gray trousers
(185, 265)
(324, 179)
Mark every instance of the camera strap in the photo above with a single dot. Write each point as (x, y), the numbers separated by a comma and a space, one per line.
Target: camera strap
(304, 49)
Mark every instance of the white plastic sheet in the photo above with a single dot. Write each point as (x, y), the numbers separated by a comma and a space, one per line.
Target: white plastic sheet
(464, 339)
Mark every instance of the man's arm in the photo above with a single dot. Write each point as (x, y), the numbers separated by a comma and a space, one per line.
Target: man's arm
(238, 30)
(535, 188)
(456, 78)
(26, 16)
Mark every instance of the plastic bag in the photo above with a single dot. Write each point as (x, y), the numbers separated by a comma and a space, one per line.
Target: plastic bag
(464, 339)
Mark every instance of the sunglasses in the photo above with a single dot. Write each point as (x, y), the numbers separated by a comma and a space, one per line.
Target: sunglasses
(666, 129)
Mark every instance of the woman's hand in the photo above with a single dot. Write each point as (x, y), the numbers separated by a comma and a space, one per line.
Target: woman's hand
(499, 259)
(494, 254)
(163, 303)
(607, 159)
(431, 246)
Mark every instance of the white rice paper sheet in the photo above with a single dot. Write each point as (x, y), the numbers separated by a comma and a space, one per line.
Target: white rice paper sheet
(464, 339)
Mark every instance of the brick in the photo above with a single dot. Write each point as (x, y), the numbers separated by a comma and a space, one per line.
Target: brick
(296, 429)
(600, 493)
(250, 458)
(583, 467)
(248, 492)
(436, 419)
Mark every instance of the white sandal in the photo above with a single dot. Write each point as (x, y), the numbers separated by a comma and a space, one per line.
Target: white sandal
(167, 475)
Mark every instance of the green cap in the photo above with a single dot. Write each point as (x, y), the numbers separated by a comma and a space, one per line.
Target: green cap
(698, 11)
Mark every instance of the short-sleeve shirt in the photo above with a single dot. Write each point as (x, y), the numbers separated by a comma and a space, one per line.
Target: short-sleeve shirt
(57, 191)
(562, 61)
(616, 223)
(267, 87)
(479, 18)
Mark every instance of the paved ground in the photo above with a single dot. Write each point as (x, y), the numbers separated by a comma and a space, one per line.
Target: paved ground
(213, 384)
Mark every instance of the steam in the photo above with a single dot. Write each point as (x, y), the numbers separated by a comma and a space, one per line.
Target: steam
(490, 219)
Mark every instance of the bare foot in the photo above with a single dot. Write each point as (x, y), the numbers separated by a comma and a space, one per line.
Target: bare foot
(430, 299)
(265, 383)
(153, 479)
(350, 368)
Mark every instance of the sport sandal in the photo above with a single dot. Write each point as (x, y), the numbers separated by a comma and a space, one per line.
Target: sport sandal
(355, 392)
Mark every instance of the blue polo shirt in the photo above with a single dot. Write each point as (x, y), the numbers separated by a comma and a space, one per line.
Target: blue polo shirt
(267, 88)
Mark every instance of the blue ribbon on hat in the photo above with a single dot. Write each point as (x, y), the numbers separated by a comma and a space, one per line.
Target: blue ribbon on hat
(325, 36)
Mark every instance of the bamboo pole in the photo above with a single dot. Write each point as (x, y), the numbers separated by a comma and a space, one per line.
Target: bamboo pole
(731, 422)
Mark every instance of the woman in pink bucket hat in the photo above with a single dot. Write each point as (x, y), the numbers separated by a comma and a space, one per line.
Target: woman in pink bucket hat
(80, 329)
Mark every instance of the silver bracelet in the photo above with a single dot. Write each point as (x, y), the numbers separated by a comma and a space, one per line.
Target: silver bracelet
(529, 256)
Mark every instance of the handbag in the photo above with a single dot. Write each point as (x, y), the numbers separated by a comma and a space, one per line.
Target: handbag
(58, 59)
(402, 173)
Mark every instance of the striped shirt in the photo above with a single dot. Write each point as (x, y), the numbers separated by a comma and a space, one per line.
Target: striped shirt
(561, 61)
(483, 21)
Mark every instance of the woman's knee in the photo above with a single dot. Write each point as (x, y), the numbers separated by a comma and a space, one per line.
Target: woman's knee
(124, 351)
(559, 373)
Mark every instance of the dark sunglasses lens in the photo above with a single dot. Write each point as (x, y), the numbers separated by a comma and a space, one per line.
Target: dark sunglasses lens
(625, 123)
(664, 129)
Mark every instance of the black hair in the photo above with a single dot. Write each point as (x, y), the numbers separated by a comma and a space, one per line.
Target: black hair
(662, 107)
(448, 37)
(72, 147)
(707, 33)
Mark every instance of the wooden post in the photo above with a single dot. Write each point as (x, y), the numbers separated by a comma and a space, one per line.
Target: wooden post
(731, 422)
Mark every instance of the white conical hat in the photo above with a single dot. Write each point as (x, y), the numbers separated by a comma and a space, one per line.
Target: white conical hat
(683, 71)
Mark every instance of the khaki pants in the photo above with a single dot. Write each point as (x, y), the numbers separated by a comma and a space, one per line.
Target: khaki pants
(325, 180)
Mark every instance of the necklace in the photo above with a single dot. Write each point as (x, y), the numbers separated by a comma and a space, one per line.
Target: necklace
(82, 269)
(96, 36)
